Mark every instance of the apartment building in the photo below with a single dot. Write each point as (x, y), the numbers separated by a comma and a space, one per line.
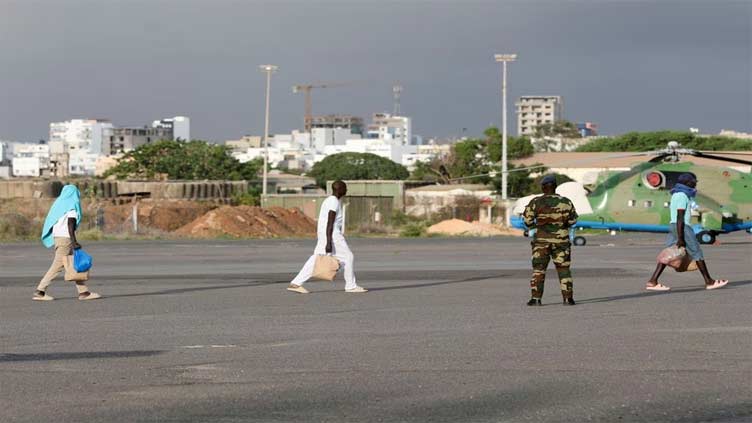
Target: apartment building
(533, 111)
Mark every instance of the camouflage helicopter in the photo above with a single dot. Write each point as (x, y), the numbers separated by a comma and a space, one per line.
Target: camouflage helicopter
(638, 199)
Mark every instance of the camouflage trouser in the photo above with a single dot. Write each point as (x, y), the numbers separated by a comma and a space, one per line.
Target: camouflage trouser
(562, 257)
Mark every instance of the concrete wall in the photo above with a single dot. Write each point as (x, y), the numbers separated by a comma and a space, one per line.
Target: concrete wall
(394, 189)
(29, 189)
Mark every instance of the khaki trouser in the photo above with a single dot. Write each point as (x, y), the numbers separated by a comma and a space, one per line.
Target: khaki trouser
(62, 250)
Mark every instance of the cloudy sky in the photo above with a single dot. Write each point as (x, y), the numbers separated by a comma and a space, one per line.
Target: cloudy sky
(626, 65)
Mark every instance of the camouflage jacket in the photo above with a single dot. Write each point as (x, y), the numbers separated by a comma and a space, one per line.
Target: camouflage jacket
(551, 216)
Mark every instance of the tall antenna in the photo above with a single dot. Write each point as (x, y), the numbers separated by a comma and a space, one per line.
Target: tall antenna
(397, 90)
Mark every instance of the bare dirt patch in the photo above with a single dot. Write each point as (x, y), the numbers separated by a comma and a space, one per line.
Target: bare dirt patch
(457, 227)
(250, 222)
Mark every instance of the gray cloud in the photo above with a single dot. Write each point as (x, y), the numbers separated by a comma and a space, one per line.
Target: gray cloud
(626, 65)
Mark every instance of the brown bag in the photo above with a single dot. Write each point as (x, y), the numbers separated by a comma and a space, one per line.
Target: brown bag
(70, 272)
(326, 268)
(686, 264)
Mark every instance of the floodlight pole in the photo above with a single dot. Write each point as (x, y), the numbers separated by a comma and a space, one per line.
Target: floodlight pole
(269, 69)
(504, 58)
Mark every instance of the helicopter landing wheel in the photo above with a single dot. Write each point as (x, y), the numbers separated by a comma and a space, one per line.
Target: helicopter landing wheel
(580, 241)
(706, 237)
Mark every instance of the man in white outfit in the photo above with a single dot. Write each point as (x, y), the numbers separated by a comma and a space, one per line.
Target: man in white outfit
(330, 241)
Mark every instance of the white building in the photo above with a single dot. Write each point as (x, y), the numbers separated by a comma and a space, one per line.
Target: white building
(244, 143)
(430, 199)
(30, 160)
(28, 167)
(180, 126)
(389, 137)
(276, 155)
(397, 129)
(533, 111)
(5, 153)
(323, 137)
(120, 140)
(389, 150)
(84, 135)
(82, 163)
(5, 159)
(58, 147)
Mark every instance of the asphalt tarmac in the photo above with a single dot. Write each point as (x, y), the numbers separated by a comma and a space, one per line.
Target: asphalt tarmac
(205, 332)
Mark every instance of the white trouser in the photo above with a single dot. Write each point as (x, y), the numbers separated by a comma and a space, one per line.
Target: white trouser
(341, 251)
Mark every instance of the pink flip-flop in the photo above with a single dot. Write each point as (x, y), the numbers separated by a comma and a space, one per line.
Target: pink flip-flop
(657, 287)
(718, 283)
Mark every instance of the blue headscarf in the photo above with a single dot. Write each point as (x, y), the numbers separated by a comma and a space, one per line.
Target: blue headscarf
(70, 199)
(682, 185)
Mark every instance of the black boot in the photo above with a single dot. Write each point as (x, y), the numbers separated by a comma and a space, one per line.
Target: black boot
(569, 301)
(534, 302)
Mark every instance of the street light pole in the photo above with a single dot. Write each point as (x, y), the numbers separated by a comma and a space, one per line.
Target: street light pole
(504, 58)
(268, 69)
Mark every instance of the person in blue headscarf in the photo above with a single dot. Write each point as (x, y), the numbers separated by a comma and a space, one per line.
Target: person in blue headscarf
(59, 231)
(681, 234)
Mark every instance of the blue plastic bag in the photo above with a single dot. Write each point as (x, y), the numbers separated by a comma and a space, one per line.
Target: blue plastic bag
(81, 260)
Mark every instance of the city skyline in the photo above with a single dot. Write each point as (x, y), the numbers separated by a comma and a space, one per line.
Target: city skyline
(625, 65)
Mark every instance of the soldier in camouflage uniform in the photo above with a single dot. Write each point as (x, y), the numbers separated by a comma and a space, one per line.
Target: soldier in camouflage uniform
(550, 216)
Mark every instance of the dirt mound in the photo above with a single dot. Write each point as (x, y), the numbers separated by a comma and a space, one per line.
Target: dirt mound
(250, 222)
(458, 227)
(165, 215)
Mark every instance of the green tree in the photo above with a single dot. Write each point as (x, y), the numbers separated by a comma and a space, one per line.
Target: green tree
(469, 158)
(521, 183)
(426, 171)
(560, 128)
(183, 160)
(475, 157)
(356, 166)
(648, 141)
(517, 147)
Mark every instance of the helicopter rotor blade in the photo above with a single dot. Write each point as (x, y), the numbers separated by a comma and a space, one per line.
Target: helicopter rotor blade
(659, 157)
(721, 158)
(564, 163)
(735, 153)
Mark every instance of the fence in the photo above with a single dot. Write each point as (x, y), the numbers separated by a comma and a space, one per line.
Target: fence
(361, 212)
(168, 190)
(373, 189)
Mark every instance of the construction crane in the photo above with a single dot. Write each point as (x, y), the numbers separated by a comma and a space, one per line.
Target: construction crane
(306, 89)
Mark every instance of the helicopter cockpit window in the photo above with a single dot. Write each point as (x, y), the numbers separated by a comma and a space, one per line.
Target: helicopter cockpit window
(673, 177)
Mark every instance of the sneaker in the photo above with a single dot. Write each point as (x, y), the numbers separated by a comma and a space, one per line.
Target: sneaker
(44, 297)
(535, 302)
(569, 301)
(297, 288)
(357, 290)
(89, 296)
(719, 283)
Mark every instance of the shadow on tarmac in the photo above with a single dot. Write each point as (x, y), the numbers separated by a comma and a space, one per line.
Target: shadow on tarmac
(5, 358)
(196, 289)
(646, 294)
(423, 285)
